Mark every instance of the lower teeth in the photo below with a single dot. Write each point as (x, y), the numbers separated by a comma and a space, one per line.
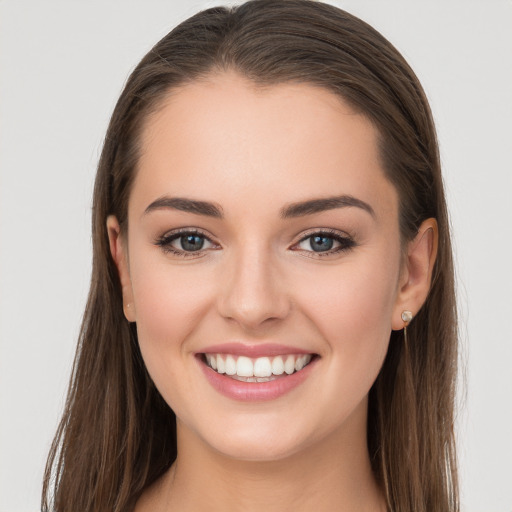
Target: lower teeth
(254, 379)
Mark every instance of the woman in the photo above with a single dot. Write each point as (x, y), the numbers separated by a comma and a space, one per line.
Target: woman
(271, 321)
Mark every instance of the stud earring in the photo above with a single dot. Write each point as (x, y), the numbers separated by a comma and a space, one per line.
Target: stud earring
(406, 317)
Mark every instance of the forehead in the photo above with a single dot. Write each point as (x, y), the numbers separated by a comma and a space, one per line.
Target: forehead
(227, 137)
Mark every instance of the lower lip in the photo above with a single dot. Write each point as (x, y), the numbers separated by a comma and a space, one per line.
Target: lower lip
(256, 391)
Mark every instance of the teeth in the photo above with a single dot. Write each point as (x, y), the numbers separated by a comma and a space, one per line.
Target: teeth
(289, 365)
(254, 379)
(278, 366)
(261, 369)
(244, 367)
(230, 365)
(300, 363)
(221, 367)
(212, 360)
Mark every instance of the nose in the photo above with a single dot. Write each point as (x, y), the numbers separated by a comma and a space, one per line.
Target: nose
(253, 292)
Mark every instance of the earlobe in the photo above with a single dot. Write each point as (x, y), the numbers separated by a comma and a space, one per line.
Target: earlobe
(119, 255)
(417, 272)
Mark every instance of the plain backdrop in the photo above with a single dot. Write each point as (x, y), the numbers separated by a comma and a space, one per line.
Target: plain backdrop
(62, 66)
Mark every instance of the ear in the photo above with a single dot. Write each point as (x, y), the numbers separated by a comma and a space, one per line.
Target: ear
(120, 257)
(416, 275)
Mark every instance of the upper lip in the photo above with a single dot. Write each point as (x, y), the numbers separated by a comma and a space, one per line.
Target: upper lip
(254, 351)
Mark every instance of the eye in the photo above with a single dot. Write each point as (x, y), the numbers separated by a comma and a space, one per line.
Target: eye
(191, 242)
(325, 243)
(185, 243)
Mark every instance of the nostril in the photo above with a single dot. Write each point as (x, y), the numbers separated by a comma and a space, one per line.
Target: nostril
(251, 294)
(253, 314)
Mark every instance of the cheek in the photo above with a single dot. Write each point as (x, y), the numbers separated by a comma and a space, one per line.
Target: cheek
(356, 297)
(170, 302)
(353, 313)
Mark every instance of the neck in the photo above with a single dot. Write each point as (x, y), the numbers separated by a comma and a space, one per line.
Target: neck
(334, 474)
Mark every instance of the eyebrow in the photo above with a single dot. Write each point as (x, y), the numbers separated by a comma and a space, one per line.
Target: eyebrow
(292, 210)
(323, 204)
(186, 205)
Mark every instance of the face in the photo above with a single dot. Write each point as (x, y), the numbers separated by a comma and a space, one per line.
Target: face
(262, 241)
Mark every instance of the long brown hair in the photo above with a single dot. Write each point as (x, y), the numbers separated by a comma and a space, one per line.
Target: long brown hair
(117, 434)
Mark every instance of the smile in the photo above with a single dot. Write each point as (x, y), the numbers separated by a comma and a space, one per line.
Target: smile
(260, 369)
(256, 374)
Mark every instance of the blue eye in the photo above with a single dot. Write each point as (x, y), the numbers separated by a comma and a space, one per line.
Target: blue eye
(325, 243)
(321, 243)
(191, 242)
(185, 243)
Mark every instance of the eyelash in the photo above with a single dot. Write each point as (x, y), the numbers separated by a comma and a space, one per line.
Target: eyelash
(346, 242)
(166, 240)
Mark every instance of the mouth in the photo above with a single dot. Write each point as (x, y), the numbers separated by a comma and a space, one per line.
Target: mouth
(258, 369)
(257, 372)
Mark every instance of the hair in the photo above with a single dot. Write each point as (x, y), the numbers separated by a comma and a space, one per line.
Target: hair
(117, 435)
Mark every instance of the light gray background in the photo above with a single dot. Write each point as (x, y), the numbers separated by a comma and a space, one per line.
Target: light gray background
(62, 66)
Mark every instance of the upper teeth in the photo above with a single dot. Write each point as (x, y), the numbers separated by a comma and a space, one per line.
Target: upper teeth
(257, 367)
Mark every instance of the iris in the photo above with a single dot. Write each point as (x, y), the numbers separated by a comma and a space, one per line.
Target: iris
(321, 243)
(192, 242)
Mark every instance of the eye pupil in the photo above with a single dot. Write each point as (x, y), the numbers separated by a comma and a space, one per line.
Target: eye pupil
(192, 242)
(321, 243)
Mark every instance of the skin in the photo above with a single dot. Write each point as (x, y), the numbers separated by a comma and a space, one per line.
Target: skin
(253, 151)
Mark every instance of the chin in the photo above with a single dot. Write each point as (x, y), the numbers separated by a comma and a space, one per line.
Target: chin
(253, 451)
(256, 442)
